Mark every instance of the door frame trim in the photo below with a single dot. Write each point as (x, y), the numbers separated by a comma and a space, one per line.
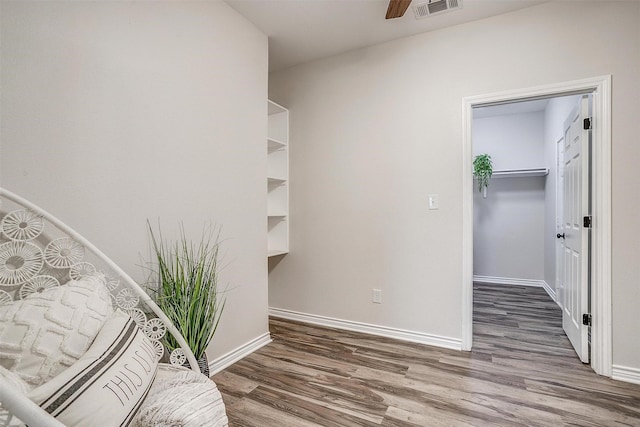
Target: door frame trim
(600, 87)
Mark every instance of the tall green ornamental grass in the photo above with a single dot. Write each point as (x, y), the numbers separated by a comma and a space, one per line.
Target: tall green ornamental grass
(187, 287)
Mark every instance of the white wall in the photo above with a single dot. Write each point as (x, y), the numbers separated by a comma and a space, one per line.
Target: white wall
(373, 131)
(555, 113)
(115, 112)
(508, 226)
(513, 140)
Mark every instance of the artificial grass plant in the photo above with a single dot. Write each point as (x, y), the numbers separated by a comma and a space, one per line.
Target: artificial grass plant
(187, 287)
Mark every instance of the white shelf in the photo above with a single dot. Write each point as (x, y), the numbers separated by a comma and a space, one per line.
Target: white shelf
(276, 252)
(277, 180)
(275, 144)
(274, 108)
(520, 173)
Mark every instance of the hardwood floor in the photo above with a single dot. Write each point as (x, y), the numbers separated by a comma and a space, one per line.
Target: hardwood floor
(522, 372)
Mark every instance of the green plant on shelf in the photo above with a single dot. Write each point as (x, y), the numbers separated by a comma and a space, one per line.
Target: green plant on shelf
(482, 171)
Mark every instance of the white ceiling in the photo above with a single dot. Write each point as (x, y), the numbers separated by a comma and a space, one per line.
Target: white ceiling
(304, 30)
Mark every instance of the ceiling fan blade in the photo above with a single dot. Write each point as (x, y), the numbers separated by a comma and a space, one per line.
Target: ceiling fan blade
(397, 8)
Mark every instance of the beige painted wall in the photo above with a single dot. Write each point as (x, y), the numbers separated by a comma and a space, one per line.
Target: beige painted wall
(508, 225)
(375, 130)
(115, 112)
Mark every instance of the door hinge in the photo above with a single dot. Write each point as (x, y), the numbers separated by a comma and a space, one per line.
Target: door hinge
(586, 221)
(586, 319)
(586, 123)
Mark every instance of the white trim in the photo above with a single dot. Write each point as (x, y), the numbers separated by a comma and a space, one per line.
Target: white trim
(624, 373)
(551, 292)
(239, 353)
(509, 281)
(601, 340)
(467, 225)
(366, 328)
(601, 251)
(517, 282)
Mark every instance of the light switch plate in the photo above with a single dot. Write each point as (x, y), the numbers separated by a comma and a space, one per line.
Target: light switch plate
(433, 201)
(376, 296)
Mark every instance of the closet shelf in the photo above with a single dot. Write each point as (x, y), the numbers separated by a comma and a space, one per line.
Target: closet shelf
(276, 252)
(275, 144)
(281, 215)
(520, 173)
(275, 180)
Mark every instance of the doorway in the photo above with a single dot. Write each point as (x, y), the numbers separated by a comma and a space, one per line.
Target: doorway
(520, 236)
(600, 267)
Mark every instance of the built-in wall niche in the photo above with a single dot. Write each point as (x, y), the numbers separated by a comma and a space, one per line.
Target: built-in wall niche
(277, 200)
(278, 125)
(277, 164)
(277, 180)
(278, 235)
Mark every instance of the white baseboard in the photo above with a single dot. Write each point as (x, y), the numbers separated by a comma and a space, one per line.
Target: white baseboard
(366, 328)
(233, 356)
(517, 282)
(623, 373)
(509, 281)
(551, 292)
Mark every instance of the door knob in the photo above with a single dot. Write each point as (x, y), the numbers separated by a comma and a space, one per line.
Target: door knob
(560, 236)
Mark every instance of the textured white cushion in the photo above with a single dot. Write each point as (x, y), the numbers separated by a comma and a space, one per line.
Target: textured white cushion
(106, 386)
(47, 332)
(183, 398)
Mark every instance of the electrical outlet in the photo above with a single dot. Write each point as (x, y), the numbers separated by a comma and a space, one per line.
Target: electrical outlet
(377, 296)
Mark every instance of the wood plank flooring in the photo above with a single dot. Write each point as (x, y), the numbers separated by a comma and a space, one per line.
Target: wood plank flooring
(522, 372)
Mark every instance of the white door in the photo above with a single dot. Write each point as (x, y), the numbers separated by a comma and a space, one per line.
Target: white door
(575, 239)
(559, 220)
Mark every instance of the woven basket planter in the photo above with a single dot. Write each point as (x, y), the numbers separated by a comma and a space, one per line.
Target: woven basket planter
(203, 364)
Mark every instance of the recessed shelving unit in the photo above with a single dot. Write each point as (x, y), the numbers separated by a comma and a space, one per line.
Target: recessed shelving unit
(277, 180)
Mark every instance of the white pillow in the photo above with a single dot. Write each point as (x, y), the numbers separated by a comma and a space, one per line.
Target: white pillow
(108, 384)
(47, 332)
